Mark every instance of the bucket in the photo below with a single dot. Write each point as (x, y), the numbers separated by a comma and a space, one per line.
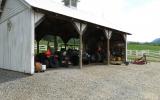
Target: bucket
(43, 67)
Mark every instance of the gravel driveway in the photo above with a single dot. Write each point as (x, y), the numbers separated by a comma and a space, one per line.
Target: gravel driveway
(96, 82)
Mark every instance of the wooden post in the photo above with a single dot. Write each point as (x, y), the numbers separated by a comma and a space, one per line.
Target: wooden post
(55, 43)
(125, 38)
(65, 45)
(80, 27)
(38, 46)
(47, 45)
(74, 44)
(108, 35)
(81, 51)
(108, 51)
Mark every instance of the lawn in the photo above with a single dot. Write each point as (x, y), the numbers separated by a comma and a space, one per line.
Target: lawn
(154, 47)
(153, 51)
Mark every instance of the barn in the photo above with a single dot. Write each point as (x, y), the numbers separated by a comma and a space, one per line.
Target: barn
(24, 21)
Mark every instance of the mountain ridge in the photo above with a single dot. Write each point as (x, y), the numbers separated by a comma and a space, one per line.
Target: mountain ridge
(157, 40)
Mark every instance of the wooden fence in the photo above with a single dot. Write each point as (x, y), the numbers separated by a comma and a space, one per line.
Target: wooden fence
(44, 47)
(132, 54)
(151, 55)
(41, 47)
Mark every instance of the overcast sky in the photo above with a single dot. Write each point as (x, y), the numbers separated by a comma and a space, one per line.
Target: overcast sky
(139, 17)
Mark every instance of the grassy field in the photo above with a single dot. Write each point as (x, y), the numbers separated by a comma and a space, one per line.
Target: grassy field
(134, 46)
(153, 57)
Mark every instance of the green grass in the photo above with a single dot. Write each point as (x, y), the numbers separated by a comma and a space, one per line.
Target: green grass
(143, 47)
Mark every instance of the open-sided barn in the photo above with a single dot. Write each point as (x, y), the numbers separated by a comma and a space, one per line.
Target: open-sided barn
(24, 21)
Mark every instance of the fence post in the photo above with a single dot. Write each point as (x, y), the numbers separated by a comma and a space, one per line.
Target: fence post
(148, 51)
(136, 53)
(151, 55)
(129, 52)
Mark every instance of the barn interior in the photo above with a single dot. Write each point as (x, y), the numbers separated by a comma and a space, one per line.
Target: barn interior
(94, 41)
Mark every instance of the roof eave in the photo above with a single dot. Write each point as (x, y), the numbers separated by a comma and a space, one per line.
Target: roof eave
(83, 21)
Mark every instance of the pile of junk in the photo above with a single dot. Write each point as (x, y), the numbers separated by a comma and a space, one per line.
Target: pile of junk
(54, 58)
(65, 58)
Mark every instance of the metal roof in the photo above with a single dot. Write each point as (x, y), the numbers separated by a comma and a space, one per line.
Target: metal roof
(51, 6)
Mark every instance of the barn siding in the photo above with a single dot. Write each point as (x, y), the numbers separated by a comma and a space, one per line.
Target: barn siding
(17, 42)
(12, 8)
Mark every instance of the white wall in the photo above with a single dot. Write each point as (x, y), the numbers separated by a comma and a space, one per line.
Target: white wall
(17, 38)
(12, 8)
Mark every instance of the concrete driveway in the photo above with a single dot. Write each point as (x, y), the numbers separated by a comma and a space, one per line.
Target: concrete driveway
(96, 82)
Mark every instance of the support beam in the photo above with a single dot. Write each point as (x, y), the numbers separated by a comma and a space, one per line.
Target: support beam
(55, 43)
(65, 46)
(48, 45)
(38, 47)
(74, 43)
(81, 52)
(125, 39)
(108, 34)
(80, 27)
(38, 18)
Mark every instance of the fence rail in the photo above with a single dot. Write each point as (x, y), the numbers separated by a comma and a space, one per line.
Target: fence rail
(151, 55)
(132, 54)
(41, 47)
(44, 47)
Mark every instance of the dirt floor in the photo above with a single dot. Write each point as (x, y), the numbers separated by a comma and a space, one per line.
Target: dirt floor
(96, 82)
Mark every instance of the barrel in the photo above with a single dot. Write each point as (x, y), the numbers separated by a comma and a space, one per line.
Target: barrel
(38, 67)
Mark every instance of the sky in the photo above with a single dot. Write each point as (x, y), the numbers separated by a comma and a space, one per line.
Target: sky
(141, 18)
